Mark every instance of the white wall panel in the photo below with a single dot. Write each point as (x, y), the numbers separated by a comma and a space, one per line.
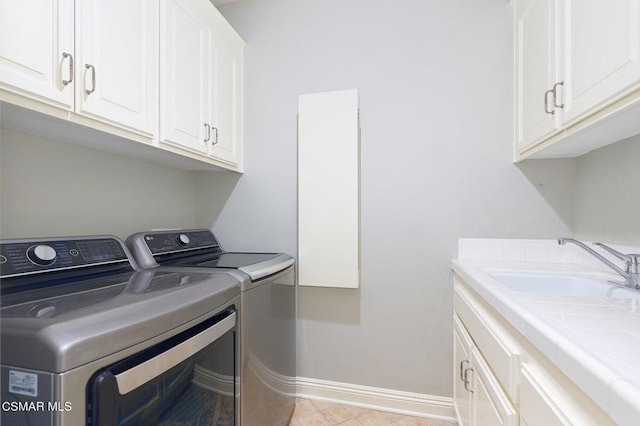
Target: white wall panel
(328, 189)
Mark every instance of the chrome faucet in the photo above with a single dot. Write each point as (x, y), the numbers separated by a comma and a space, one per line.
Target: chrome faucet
(631, 273)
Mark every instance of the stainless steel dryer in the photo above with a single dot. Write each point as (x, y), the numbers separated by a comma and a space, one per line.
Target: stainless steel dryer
(87, 339)
(267, 325)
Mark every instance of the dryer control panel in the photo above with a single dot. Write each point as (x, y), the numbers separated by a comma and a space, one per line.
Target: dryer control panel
(30, 256)
(175, 241)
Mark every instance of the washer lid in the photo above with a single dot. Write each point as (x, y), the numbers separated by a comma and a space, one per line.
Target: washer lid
(58, 332)
(256, 265)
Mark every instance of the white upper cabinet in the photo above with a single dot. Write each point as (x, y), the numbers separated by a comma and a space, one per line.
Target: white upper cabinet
(36, 50)
(227, 98)
(185, 81)
(167, 73)
(536, 69)
(201, 86)
(100, 63)
(116, 62)
(577, 75)
(602, 53)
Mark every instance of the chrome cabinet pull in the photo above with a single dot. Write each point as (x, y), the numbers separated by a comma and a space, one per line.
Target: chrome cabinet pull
(93, 79)
(462, 368)
(71, 67)
(466, 379)
(546, 102)
(555, 94)
(215, 139)
(208, 137)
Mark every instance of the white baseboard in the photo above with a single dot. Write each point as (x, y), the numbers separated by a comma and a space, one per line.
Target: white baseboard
(408, 403)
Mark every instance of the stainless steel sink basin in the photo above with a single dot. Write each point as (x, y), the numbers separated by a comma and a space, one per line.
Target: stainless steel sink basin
(561, 284)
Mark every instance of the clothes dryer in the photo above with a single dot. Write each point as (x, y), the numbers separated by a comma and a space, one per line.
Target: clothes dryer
(267, 324)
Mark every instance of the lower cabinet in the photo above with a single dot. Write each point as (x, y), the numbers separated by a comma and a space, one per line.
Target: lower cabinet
(478, 396)
(500, 378)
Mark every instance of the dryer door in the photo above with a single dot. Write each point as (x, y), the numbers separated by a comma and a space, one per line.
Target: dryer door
(193, 375)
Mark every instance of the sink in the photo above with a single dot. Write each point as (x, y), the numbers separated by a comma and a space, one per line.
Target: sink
(561, 284)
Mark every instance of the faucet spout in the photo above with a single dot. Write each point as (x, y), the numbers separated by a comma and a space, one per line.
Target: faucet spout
(632, 272)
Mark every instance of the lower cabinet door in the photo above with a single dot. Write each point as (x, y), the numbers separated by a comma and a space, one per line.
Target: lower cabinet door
(491, 406)
(461, 368)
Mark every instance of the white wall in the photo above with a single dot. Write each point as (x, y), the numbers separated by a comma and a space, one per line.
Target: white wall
(50, 188)
(435, 82)
(607, 195)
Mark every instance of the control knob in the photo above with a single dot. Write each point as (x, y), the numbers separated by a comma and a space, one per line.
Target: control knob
(42, 255)
(183, 239)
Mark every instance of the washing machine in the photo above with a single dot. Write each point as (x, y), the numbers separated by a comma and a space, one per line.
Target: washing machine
(267, 323)
(87, 338)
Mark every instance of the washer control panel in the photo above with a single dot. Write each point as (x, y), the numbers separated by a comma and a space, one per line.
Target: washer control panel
(20, 257)
(173, 241)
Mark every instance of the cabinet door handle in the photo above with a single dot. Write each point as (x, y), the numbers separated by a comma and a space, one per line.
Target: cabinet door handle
(215, 138)
(466, 379)
(555, 94)
(462, 368)
(93, 78)
(71, 67)
(208, 137)
(546, 102)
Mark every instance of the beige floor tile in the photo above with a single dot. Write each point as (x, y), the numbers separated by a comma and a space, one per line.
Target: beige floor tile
(294, 422)
(322, 413)
(316, 419)
(373, 418)
(393, 417)
(303, 408)
(336, 414)
(357, 411)
(350, 422)
(321, 405)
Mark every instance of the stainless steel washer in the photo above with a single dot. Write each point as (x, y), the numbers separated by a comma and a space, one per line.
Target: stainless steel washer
(267, 325)
(89, 339)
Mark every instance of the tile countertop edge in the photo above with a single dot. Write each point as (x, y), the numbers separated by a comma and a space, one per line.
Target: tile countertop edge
(616, 395)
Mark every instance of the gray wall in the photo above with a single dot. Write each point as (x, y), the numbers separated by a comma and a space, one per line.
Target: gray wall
(50, 188)
(607, 195)
(435, 82)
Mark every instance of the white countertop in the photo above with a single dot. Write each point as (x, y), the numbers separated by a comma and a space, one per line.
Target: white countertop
(594, 341)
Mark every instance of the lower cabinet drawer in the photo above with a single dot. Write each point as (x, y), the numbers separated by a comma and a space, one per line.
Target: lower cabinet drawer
(546, 401)
(536, 404)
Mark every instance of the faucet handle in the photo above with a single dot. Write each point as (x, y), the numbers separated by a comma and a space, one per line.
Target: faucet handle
(616, 253)
(632, 260)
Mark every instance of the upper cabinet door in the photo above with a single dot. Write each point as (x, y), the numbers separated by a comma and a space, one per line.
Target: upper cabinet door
(184, 80)
(536, 57)
(226, 102)
(36, 50)
(602, 53)
(116, 67)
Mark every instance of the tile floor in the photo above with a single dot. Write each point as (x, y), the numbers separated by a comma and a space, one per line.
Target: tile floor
(320, 413)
